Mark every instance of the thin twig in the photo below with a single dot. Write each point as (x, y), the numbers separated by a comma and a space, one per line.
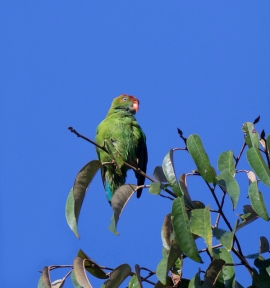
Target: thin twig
(240, 154)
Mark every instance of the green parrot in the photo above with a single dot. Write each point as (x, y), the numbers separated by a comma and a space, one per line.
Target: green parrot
(121, 129)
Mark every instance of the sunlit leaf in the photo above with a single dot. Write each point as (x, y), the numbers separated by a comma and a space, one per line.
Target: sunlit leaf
(159, 174)
(212, 273)
(59, 283)
(119, 200)
(181, 227)
(134, 283)
(225, 237)
(256, 199)
(195, 282)
(226, 277)
(264, 245)
(155, 188)
(118, 275)
(258, 165)
(74, 281)
(201, 225)
(229, 184)
(197, 152)
(70, 213)
(92, 267)
(80, 273)
(251, 135)
(225, 162)
(251, 177)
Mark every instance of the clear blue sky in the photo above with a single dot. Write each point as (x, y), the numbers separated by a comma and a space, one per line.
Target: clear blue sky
(202, 66)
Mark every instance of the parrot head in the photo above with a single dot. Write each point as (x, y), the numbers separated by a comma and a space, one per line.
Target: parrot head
(126, 102)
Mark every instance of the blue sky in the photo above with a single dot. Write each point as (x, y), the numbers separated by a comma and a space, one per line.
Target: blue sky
(202, 66)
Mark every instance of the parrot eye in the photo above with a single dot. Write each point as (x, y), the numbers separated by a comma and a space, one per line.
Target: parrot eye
(124, 99)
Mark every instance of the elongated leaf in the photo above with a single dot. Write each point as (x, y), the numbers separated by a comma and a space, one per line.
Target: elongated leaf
(40, 282)
(159, 174)
(201, 225)
(80, 273)
(182, 230)
(134, 283)
(168, 169)
(197, 152)
(119, 200)
(263, 279)
(59, 283)
(249, 216)
(251, 135)
(264, 245)
(195, 282)
(225, 237)
(118, 275)
(257, 163)
(92, 267)
(162, 269)
(70, 213)
(166, 232)
(183, 186)
(256, 199)
(212, 273)
(226, 277)
(268, 145)
(46, 277)
(74, 280)
(137, 272)
(225, 162)
(229, 184)
(155, 188)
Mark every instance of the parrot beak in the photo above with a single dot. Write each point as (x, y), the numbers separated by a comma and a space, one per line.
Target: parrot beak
(135, 105)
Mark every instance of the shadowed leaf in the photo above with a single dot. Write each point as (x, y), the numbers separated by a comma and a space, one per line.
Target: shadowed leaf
(251, 177)
(225, 237)
(137, 272)
(169, 283)
(257, 120)
(92, 267)
(119, 201)
(182, 230)
(251, 135)
(183, 186)
(225, 162)
(264, 245)
(197, 152)
(258, 165)
(159, 174)
(70, 215)
(212, 273)
(166, 232)
(74, 280)
(201, 225)
(226, 277)
(45, 278)
(118, 275)
(229, 184)
(268, 145)
(58, 283)
(249, 216)
(80, 273)
(256, 199)
(195, 282)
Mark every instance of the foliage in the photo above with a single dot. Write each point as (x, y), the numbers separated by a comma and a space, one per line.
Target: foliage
(189, 219)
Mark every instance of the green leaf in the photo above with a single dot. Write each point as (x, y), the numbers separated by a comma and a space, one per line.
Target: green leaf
(161, 270)
(119, 200)
(225, 237)
(212, 273)
(137, 272)
(256, 199)
(268, 145)
(118, 275)
(249, 216)
(197, 152)
(226, 277)
(80, 273)
(74, 281)
(201, 225)
(159, 174)
(226, 181)
(92, 267)
(225, 162)
(155, 188)
(251, 135)
(264, 245)
(183, 186)
(166, 232)
(195, 282)
(168, 169)
(257, 163)
(262, 279)
(134, 283)
(70, 214)
(168, 283)
(182, 230)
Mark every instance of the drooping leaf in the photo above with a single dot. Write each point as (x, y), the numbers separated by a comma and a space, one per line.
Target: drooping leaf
(181, 227)
(268, 145)
(256, 199)
(137, 272)
(251, 135)
(226, 277)
(197, 152)
(46, 277)
(226, 181)
(155, 188)
(264, 245)
(195, 282)
(92, 267)
(212, 273)
(183, 186)
(257, 163)
(225, 162)
(249, 216)
(225, 237)
(166, 232)
(119, 200)
(74, 281)
(159, 174)
(118, 275)
(201, 225)
(80, 273)
(82, 181)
